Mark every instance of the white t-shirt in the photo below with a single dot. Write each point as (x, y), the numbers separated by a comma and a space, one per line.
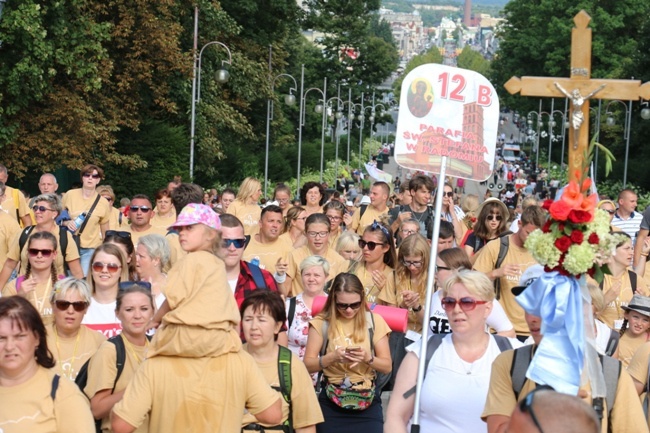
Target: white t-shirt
(102, 318)
(602, 336)
(454, 390)
(439, 324)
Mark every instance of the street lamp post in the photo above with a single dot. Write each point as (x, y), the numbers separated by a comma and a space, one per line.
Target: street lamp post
(289, 99)
(338, 115)
(551, 125)
(320, 108)
(222, 76)
(2, 5)
(610, 121)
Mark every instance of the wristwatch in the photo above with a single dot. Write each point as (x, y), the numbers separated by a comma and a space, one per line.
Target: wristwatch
(418, 309)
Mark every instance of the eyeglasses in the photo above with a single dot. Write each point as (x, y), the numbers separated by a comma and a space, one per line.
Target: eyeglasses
(35, 251)
(414, 264)
(40, 208)
(108, 198)
(78, 306)
(334, 218)
(341, 306)
(610, 211)
(126, 285)
(93, 175)
(317, 234)
(238, 243)
(123, 235)
(526, 406)
(111, 267)
(466, 304)
(408, 232)
(370, 244)
(144, 209)
(442, 268)
(300, 219)
(493, 216)
(448, 194)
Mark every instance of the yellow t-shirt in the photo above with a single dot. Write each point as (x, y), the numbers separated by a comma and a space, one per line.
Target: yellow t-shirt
(102, 371)
(196, 394)
(72, 252)
(374, 293)
(393, 298)
(362, 374)
(164, 222)
(9, 205)
(39, 298)
(337, 265)
(9, 228)
(267, 254)
(627, 415)
(70, 353)
(75, 203)
(135, 236)
(612, 315)
(306, 410)
(359, 223)
(114, 221)
(486, 262)
(334, 239)
(248, 214)
(628, 344)
(175, 250)
(29, 408)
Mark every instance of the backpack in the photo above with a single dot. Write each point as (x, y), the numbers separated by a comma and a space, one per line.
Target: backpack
(612, 342)
(436, 340)
(504, 244)
(292, 311)
(633, 279)
(611, 370)
(258, 278)
(63, 242)
(382, 378)
(284, 373)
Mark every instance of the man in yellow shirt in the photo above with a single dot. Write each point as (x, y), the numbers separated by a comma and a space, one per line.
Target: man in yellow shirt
(266, 246)
(15, 204)
(140, 214)
(378, 197)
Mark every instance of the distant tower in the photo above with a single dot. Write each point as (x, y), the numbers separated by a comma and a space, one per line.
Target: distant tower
(467, 20)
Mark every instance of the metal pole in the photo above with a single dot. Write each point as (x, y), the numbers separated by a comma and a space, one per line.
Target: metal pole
(539, 117)
(324, 125)
(336, 131)
(361, 133)
(193, 115)
(269, 107)
(302, 106)
(415, 427)
(565, 121)
(350, 121)
(628, 125)
(550, 134)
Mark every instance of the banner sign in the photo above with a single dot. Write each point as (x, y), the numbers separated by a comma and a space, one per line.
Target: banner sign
(447, 111)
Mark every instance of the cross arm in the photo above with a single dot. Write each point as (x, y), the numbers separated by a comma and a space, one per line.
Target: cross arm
(630, 90)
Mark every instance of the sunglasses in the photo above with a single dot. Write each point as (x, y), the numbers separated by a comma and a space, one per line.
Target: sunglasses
(40, 209)
(94, 176)
(610, 211)
(238, 243)
(108, 198)
(448, 194)
(35, 252)
(78, 306)
(371, 245)
(111, 267)
(341, 306)
(414, 264)
(119, 234)
(144, 209)
(492, 217)
(126, 285)
(526, 406)
(466, 304)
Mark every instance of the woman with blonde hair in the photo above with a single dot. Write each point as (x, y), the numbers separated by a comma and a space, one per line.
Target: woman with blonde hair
(348, 246)
(294, 226)
(245, 206)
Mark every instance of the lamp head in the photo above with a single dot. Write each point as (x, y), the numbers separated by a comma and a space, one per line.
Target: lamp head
(222, 75)
(530, 122)
(338, 115)
(318, 108)
(290, 99)
(372, 119)
(610, 121)
(645, 113)
(360, 117)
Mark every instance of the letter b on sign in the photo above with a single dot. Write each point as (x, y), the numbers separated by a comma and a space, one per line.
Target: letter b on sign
(484, 96)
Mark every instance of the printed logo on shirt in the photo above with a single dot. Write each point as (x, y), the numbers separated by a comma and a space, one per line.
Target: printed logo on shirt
(108, 329)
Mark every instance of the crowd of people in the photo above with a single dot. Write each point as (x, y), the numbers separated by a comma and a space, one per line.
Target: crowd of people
(208, 311)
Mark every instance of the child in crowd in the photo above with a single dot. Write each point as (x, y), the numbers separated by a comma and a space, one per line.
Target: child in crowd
(200, 315)
(636, 328)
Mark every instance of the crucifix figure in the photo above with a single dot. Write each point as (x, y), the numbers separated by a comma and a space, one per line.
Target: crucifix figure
(580, 84)
(577, 100)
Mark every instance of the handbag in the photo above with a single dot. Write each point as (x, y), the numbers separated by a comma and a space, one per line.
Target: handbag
(348, 398)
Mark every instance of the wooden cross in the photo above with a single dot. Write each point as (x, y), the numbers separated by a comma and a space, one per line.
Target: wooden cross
(579, 89)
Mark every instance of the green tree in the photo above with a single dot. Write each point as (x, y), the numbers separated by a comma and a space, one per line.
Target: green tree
(474, 61)
(433, 55)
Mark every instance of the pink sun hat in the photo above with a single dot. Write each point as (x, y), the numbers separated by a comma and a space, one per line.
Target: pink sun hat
(195, 213)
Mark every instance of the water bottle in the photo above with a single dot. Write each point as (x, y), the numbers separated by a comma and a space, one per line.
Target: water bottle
(80, 220)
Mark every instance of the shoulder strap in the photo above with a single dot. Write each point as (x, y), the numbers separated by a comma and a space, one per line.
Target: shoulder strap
(432, 345)
(504, 244)
(370, 322)
(120, 358)
(612, 342)
(633, 276)
(362, 210)
(119, 218)
(63, 241)
(292, 311)
(284, 373)
(611, 371)
(520, 361)
(24, 235)
(55, 386)
(503, 342)
(90, 212)
(324, 331)
(17, 205)
(258, 278)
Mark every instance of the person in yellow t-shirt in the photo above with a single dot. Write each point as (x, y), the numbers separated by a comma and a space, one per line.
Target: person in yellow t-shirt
(266, 246)
(9, 228)
(165, 214)
(34, 398)
(263, 314)
(245, 206)
(140, 214)
(71, 343)
(312, 197)
(378, 197)
(516, 261)
(335, 211)
(117, 220)
(182, 195)
(20, 210)
(78, 202)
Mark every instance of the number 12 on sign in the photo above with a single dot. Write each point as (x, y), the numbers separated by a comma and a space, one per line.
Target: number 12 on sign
(483, 96)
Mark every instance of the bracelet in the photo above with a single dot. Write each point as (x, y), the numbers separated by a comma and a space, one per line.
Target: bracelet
(320, 362)
(280, 278)
(418, 309)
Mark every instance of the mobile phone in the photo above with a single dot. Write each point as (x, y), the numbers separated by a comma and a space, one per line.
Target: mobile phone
(352, 349)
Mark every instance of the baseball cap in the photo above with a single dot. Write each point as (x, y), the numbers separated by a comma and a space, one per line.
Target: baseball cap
(527, 278)
(195, 213)
(349, 203)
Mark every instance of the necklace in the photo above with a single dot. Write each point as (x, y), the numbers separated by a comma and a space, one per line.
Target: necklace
(132, 351)
(39, 304)
(464, 364)
(74, 352)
